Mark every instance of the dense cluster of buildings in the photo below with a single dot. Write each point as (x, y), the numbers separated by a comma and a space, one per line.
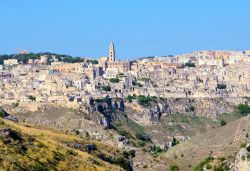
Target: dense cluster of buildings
(200, 74)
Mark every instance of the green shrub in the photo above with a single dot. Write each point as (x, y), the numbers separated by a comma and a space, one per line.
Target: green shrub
(1, 112)
(208, 166)
(124, 133)
(94, 62)
(221, 86)
(130, 98)
(32, 98)
(174, 168)
(248, 148)
(191, 108)
(99, 100)
(244, 109)
(223, 122)
(106, 88)
(203, 163)
(189, 64)
(175, 142)
(77, 132)
(156, 149)
(243, 145)
(141, 143)
(132, 153)
(114, 80)
(144, 100)
(143, 137)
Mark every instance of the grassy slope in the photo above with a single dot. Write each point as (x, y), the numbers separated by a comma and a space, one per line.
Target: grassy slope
(219, 142)
(47, 150)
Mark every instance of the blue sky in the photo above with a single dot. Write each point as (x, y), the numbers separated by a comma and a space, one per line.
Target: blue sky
(137, 27)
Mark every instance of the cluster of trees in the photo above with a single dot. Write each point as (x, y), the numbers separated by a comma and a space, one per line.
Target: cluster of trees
(142, 100)
(25, 57)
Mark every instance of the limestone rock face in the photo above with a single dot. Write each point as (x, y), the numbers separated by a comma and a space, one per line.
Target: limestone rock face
(155, 112)
(152, 114)
(242, 160)
(108, 109)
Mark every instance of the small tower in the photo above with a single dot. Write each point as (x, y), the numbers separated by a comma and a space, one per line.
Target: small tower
(112, 52)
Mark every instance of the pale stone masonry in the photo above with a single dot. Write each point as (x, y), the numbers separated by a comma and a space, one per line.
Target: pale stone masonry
(212, 74)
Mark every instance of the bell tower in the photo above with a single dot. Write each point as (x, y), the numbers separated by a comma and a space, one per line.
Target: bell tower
(112, 52)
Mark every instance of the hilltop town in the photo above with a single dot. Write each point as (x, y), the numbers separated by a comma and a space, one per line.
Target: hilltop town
(202, 74)
(148, 105)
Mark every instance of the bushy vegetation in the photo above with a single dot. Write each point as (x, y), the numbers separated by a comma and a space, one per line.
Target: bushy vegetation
(203, 163)
(1, 112)
(175, 142)
(114, 80)
(174, 168)
(243, 145)
(106, 88)
(130, 98)
(156, 149)
(248, 148)
(135, 83)
(189, 64)
(223, 122)
(143, 137)
(32, 98)
(94, 62)
(25, 57)
(222, 167)
(221, 86)
(124, 133)
(244, 109)
(100, 100)
(144, 100)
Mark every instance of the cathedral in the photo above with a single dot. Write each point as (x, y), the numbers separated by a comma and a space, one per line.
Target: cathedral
(109, 63)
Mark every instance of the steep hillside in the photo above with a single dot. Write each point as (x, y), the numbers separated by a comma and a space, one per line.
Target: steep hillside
(221, 142)
(26, 148)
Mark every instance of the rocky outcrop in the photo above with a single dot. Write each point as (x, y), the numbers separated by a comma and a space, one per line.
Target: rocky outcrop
(153, 113)
(8, 116)
(148, 115)
(242, 160)
(108, 108)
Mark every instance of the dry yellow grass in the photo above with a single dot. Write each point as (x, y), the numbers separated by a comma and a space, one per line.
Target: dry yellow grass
(48, 149)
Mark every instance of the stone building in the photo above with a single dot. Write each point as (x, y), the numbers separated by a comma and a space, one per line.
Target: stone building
(10, 62)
